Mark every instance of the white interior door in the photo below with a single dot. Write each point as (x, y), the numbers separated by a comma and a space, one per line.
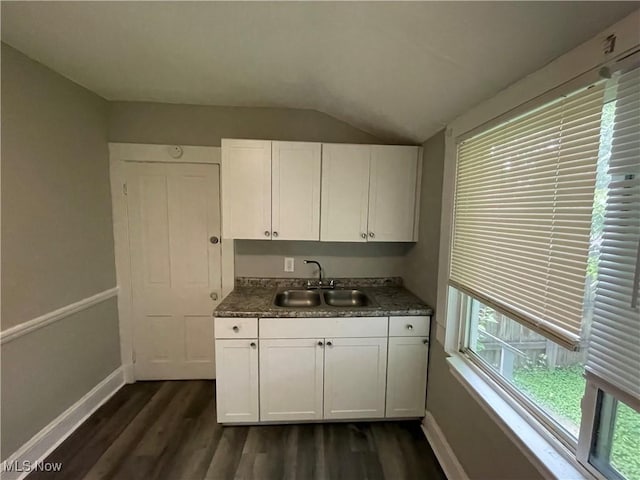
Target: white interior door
(345, 192)
(392, 193)
(355, 377)
(291, 377)
(295, 212)
(174, 217)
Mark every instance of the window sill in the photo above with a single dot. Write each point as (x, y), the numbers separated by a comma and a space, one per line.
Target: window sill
(545, 452)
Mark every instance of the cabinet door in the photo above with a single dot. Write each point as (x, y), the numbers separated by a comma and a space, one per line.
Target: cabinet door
(345, 192)
(291, 373)
(295, 213)
(407, 376)
(392, 193)
(246, 189)
(237, 380)
(355, 377)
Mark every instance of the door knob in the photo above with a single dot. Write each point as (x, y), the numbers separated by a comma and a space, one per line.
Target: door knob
(214, 239)
(372, 235)
(363, 235)
(214, 296)
(267, 233)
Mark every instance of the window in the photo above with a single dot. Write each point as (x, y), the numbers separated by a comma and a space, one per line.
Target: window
(545, 266)
(616, 439)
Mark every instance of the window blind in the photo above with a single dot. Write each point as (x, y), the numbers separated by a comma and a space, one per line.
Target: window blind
(523, 211)
(614, 344)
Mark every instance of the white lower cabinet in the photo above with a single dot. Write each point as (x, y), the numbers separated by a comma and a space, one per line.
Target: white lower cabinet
(237, 380)
(291, 378)
(407, 376)
(336, 375)
(355, 377)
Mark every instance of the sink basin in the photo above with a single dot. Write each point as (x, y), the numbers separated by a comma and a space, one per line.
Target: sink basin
(297, 298)
(346, 298)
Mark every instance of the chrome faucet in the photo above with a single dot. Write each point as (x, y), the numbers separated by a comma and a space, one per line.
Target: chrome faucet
(320, 282)
(319, 269)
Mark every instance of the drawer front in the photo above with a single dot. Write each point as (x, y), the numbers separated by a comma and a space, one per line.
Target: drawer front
(236, 327)
(323, 327)
(409, 326)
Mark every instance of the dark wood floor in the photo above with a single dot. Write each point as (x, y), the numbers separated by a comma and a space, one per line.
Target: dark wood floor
(168, 431)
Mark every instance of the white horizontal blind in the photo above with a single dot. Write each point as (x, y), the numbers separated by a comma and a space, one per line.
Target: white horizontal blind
(523, 211)
(614, 345)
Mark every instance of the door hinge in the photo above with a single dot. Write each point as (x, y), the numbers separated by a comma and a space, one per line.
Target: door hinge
(124, 188)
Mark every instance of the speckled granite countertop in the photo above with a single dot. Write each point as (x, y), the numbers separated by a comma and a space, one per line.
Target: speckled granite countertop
(253, 297)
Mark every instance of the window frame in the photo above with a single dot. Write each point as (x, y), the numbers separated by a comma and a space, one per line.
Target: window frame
(561, 77)
(522, 399)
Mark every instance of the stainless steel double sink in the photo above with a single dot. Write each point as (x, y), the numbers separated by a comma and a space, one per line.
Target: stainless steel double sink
(340, 297)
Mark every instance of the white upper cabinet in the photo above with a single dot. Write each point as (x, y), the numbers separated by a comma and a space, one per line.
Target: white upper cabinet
(392, 193)
(246, 189)
(369, 193)
(312, 191)
(345, 192)
(295, 213)
(271, 190)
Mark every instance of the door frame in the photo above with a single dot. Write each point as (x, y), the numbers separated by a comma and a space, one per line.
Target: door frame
(119, 155)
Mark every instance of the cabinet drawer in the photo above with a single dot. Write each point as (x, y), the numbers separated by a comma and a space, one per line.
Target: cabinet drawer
(409, 326)
(236, 327)
(323, 327)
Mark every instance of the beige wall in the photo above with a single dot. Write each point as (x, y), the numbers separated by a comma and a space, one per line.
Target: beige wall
(255, 258)
(57, 239)
(48, 370)
(421, 267)
(57, 245)
(163, 123)
(479, 444)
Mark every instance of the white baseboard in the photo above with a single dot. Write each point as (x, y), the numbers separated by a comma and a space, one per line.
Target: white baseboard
(448, 460)
(47, 439)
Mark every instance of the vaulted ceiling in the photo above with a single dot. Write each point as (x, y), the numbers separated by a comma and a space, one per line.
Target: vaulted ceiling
(398, 70)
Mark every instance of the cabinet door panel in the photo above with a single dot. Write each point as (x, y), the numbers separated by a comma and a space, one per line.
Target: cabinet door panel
(246, 189)
(295, 211)
(407, 376)
(345, 192)
(291, 375)
(237, 381)
(355, 377)
(392, 193)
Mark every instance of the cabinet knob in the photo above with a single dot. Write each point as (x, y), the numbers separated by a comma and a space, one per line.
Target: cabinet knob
(236, 328)
(329, 344)
(372, 235)
(363, 235)
(213, 296)
(275, 234)
(409, 327)
(267, 233)
(214, 239)
(320, 344)
(425, 341)
(253, 344)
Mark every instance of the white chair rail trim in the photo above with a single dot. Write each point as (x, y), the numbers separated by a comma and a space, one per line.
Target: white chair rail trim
(51, 317)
